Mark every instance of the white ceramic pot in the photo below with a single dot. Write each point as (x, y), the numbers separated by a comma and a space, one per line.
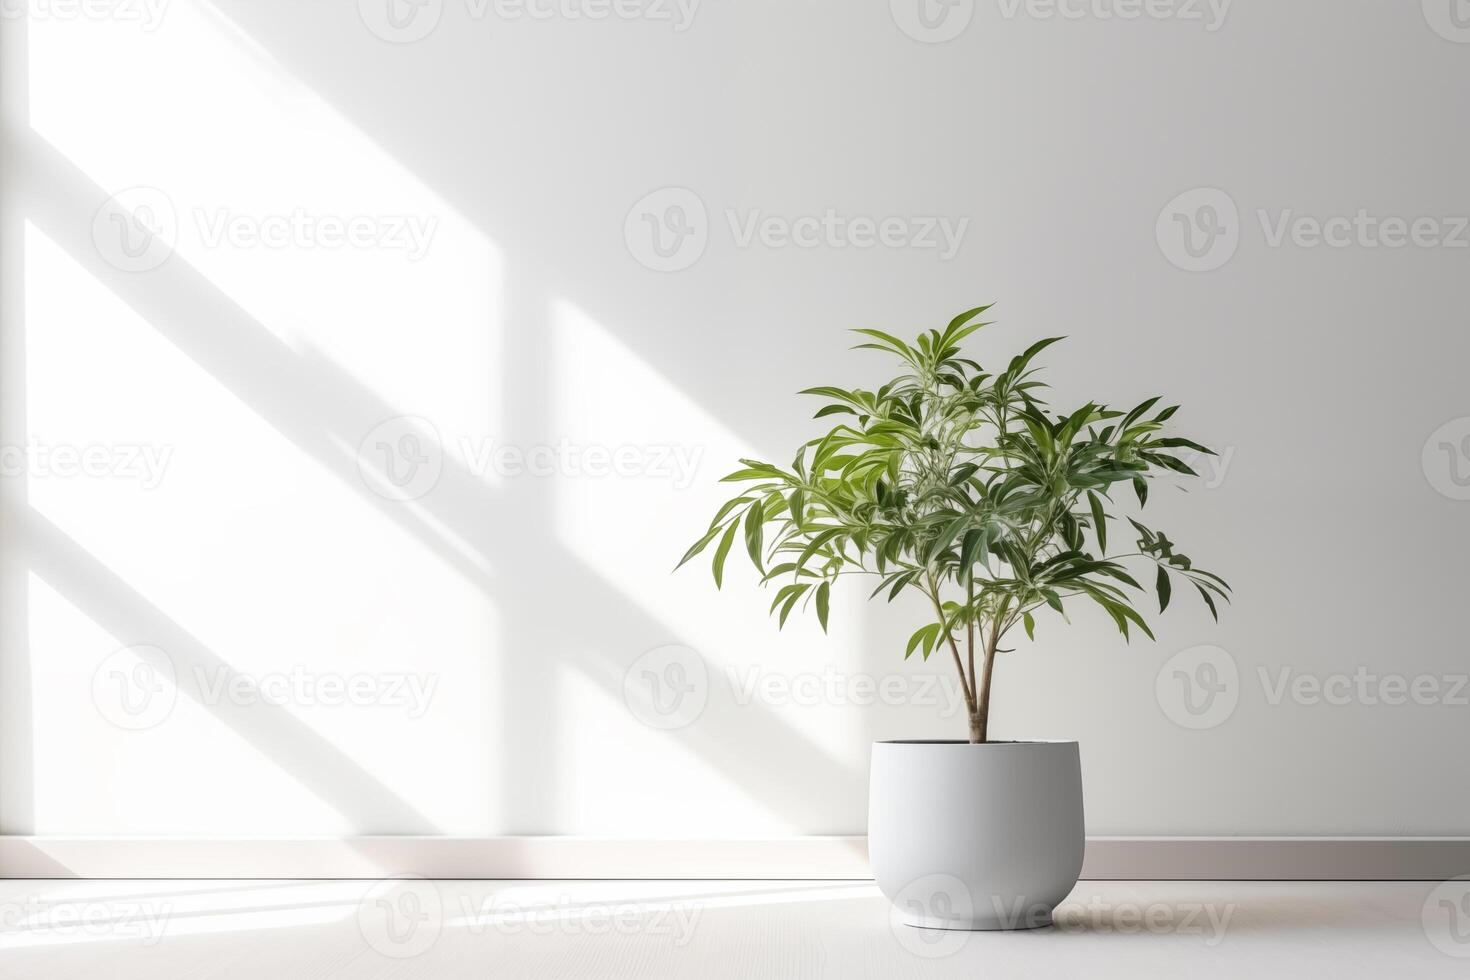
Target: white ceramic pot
(964, 836)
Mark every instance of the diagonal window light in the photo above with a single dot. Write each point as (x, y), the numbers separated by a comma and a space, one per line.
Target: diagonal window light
(293, 578)
(278, 201)
(632, 443)
(103, 753)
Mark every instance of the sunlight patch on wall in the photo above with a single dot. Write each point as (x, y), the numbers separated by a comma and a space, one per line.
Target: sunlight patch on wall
(279, 201)
(610, 399)
(288, 574)
(635, 780)
(94, 777)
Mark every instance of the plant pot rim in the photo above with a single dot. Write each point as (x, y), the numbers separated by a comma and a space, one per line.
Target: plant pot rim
(978, 745)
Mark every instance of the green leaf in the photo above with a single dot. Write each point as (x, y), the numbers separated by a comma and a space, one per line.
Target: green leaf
(1030, 623)
(722, 551)
(1204, 594)
(963, 319)
(786, 609)
(754, 518)
(902, 581)
(918, 637)
(824, 594)
(1140, 487)
(890, 342)
(781, 569)
(1128, 612)
(945, 538)
(817, 542)
(789, 592)
(972, 548)
(1137, 413)
(698, 546)
(1099, 522)
(1018, 363)
(725, 509)
(1164, 589)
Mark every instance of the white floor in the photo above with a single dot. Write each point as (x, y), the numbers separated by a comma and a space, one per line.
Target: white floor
(525, 930)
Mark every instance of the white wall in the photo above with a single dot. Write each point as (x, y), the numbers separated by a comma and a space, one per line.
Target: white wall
(497, 630)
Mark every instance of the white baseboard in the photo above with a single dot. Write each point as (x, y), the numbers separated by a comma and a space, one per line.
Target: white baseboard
(1108, 858)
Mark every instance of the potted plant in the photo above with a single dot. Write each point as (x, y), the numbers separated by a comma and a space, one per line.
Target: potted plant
(960, 483)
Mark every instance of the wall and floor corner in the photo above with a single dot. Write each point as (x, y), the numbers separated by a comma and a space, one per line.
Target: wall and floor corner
(362, 379)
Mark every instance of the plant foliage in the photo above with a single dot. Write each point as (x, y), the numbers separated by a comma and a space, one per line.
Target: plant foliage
(959, 482)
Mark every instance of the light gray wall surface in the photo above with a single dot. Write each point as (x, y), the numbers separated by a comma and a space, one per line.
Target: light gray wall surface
(505, 171)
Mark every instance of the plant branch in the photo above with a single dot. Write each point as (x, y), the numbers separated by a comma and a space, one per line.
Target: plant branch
(953, 647)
